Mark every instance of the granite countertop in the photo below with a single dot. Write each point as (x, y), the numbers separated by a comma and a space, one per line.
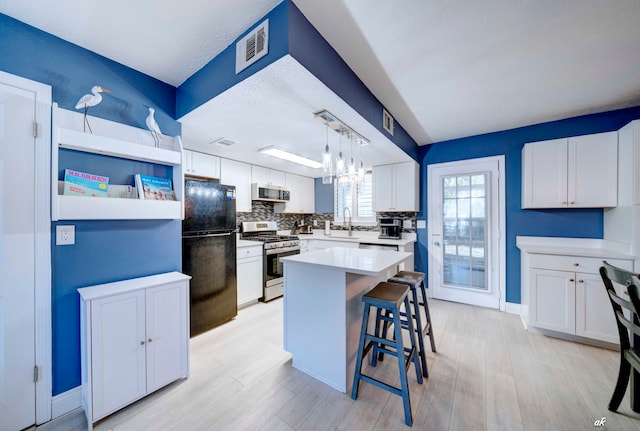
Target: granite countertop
(353, 260)
(587, 247)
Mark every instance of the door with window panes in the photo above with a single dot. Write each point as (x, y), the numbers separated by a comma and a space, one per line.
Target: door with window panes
(464, 231)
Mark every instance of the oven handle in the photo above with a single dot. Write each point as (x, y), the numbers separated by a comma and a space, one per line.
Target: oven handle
(209, 235)
(281, 250)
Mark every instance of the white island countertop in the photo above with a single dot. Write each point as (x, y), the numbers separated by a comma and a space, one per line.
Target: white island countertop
(352, 260)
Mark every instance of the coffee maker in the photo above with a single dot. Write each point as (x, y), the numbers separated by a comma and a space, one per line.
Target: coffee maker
(390, 228)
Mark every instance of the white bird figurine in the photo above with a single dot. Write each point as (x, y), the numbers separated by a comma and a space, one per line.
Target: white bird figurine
(90, 100)
(153, 127)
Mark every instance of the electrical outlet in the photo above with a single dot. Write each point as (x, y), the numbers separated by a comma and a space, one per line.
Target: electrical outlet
(65, 235)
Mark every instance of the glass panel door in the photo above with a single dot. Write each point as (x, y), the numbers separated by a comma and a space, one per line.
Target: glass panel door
(464, 222)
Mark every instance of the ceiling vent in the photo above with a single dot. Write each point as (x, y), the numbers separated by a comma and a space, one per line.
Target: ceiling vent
(252, 47)
(223, 142)
(387, 121)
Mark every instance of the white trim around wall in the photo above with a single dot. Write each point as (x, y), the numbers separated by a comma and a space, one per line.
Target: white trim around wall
(66, 402)
(42, 276)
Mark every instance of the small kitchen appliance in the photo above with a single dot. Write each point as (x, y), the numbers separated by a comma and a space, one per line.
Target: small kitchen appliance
(275, 248)
(390, 228)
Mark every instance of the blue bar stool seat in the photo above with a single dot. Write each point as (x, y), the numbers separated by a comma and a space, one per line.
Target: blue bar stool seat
(387, 297)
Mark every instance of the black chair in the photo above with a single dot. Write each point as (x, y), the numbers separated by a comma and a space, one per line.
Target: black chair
(629, 355)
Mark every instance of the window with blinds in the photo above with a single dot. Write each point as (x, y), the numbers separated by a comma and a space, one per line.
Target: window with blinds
(357, 197)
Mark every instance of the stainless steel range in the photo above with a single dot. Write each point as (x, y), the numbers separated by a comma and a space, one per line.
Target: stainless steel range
(275, 248)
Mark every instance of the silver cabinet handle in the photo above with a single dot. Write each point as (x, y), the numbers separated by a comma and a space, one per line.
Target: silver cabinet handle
(142, 343)
(149, 340)
(571, 280)
(580, 281)
(437, 243)
(576, 264)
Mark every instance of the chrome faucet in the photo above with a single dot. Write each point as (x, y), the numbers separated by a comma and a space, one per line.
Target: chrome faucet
(344, 218)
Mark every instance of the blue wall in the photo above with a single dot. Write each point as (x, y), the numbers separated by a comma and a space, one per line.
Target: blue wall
(324, 197)
(105, 250)
(571, 223)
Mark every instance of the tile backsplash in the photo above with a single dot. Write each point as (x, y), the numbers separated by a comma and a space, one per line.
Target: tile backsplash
(261, 210)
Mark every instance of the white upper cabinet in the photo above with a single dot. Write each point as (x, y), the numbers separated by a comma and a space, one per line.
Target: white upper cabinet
(302, 195)
(201, 165)
(237, 174)
(395, 187)
(266, 176)
(576, 172)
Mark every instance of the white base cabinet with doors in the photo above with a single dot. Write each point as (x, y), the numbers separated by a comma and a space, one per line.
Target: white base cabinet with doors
(576, 172)
(249, 271)
(396, 187)
(562, 290)
(134, 340)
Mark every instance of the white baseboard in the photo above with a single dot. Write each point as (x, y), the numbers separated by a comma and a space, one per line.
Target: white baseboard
(512, 308)
(66, 402)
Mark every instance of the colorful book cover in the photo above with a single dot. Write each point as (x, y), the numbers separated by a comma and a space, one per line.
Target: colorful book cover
(82, 184)
(154, 188)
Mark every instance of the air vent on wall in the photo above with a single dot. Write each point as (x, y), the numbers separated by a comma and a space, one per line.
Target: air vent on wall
(387, 121)
(252, 47)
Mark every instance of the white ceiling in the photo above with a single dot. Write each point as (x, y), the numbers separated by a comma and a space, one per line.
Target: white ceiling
(445, 69)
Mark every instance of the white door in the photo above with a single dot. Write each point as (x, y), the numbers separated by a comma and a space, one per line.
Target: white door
(466, 218)
(17, 258)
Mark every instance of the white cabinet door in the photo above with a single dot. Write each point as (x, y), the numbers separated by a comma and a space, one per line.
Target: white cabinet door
(593, 170)
(249, 272)
(238, 174)
(302, 195)
(594, 316)
(395, 187)
(118, 351)
(167, 338)
(405, 181)
(552, 300)
(266, 176)
(202, 165)
(576, 172)
(383, 188)
(544, 174)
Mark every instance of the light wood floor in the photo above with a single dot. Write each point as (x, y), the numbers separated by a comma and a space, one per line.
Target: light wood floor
(488, 374)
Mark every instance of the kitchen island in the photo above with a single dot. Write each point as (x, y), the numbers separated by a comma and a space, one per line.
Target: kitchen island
(323, 307)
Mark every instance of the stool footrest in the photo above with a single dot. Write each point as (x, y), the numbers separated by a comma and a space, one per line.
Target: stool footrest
(381, 384)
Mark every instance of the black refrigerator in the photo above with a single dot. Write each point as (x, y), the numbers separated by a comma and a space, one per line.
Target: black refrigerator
(209, 252)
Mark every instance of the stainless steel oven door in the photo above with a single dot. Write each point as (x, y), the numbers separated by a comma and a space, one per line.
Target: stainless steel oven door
(274, 271)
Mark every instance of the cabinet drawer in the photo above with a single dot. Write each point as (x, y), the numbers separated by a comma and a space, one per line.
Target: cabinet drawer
(575, 263)
(252, 251)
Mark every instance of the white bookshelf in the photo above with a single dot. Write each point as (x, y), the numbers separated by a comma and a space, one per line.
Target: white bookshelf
(115, 140)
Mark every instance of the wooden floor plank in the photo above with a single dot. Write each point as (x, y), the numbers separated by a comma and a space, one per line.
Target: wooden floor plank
(488, 374)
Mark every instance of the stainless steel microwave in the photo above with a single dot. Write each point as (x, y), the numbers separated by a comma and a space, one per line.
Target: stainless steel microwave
(271, 193)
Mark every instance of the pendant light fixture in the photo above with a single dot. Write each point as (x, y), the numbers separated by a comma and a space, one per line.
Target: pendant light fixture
(361, 167)
(340, 160)
(352, 166)
(327, 177)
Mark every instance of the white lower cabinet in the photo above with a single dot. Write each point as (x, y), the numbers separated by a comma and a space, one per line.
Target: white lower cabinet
(249, 273)
(566, 294)
(134, 340)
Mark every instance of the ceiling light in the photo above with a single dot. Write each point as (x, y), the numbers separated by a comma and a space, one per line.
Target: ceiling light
(290, 157)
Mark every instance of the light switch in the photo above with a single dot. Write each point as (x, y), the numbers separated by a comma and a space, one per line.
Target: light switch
(65, 235)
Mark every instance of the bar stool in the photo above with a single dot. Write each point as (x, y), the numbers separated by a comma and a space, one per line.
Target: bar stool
(415, 281)
(388, 297)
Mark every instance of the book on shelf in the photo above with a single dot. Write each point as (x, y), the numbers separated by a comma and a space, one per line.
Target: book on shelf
(84, 184)
(122, 192)
(154, 188)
